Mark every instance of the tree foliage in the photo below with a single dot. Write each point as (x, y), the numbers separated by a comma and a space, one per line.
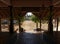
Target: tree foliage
(34, 18)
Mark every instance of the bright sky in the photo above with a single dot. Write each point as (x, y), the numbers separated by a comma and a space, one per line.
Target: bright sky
(29, 13)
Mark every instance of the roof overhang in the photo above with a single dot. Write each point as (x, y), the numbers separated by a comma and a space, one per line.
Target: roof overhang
(24, 6)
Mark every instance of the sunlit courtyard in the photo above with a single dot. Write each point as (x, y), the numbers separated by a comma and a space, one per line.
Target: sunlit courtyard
(29, 26)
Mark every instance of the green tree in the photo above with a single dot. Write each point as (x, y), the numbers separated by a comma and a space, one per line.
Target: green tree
(35, 19)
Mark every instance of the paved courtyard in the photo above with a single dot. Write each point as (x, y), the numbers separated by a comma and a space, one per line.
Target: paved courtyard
(29, 26)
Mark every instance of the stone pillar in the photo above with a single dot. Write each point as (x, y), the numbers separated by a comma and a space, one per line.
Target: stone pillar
(19, 21)
(40, 24)
(50, 24)
(57, 24)
(0, 24)
(40, 19)
(11, 27)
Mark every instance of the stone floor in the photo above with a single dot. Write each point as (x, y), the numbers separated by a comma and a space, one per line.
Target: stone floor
(31, 38)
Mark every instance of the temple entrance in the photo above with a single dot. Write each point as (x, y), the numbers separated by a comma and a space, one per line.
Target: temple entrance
(31, 23)
(25, 19)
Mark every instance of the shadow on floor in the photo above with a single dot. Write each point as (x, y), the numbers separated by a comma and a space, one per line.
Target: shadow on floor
(30, 38)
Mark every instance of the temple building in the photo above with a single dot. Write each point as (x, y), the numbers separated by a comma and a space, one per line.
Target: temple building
(12, 11)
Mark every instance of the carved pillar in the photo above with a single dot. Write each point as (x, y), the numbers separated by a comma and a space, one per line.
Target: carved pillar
(57, 24)
(19, 22)
(11, 27)
(40, 24)
(50, 24)
(40, 19)
(0, 24)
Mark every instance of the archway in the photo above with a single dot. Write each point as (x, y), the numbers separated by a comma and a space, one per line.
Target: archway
(35, 10)
(28, 25)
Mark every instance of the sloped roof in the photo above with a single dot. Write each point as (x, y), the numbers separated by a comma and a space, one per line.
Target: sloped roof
(29, 5)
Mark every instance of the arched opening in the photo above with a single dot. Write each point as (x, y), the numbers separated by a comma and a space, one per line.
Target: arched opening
(31, 23)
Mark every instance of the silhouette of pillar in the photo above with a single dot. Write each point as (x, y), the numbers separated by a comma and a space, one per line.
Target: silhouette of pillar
(50, 24)
(0, 24)
(19, 23)
(11, 27)
(40, 24)
(40, 19)
(57, 24)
